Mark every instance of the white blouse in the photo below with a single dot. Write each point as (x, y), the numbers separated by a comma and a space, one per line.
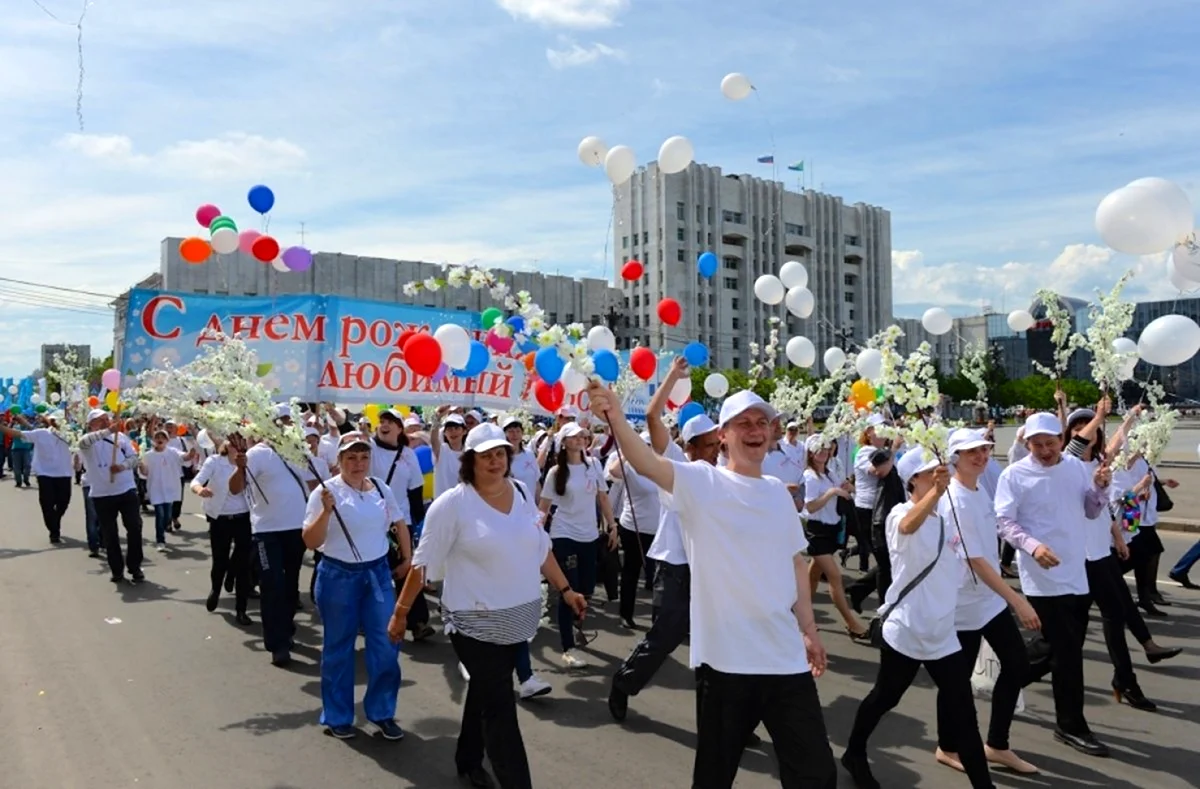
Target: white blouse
(367, 514)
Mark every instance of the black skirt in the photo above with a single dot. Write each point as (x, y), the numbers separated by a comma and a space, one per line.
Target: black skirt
(822, 537)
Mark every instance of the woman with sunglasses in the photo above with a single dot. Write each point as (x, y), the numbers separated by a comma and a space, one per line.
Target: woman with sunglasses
(483, 539)
(354, 588)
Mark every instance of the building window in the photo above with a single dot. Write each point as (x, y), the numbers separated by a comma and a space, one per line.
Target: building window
(635, 240)
(737, 343)
(624, 242)
(737, 363)
(645, 236)
(637, 322)
(851, 314)
(637, 301)
(853, 241)
(646, 278)
(679, 234)
(660, 234)
(849, 297)
(849, 279)
(626, 302)
(734, 216)
(681, 256)
(710, 239)
(710, 215)
(570, 316)
(731, 283)
(710, 320)
(737, 324)
(731, 263)
(553, 318)
(710, 299)
(794, 229)
(595, 320)
(679, 211)
(734, 303)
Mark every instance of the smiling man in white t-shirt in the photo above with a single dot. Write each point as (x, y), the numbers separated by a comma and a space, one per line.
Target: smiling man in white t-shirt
(753, 633)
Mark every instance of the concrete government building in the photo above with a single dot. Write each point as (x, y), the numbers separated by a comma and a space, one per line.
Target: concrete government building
(754, 226)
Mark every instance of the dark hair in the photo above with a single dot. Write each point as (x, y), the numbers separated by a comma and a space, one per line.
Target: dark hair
(562, 471)
(466, 465)
(1096, 449)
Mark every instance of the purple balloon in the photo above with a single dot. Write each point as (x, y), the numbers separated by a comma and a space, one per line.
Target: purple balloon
(297, 258)
(439, 373)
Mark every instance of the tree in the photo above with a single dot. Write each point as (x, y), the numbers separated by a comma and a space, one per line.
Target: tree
(97, 371)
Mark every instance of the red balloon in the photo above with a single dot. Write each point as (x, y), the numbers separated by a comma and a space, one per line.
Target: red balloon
(550, 397)
(643, 363)
(404, 337)
(669, 312)
(265, 249)
(423, 353)
(632, 270)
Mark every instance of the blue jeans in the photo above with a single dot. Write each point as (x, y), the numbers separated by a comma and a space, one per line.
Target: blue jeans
(162, 521)
(350, 596)
(22, 460)
(1187, 560)
(524, 662)
(578, 563)
(91, 523)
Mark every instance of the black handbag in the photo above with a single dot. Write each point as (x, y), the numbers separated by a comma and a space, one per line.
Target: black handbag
(875, 626)
(1165, 504)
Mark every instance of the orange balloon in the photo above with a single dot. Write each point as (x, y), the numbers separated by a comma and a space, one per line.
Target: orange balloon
(94, 402)
(862, 394)
(194, 250)
(529, 358)
(181, 430)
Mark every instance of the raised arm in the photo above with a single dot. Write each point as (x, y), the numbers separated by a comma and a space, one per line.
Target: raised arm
(637, 453)
(660, 436)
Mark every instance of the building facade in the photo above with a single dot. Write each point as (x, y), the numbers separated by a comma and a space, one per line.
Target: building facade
(754, 226)
(83, 355)
(1182, 382)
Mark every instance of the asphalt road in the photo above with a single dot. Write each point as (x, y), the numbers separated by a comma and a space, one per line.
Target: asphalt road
(141, 687)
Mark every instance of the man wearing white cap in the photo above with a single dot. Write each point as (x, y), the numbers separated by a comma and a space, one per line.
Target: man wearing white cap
(52, 466)
(1043, 503)
(109, 457)
(672, 582)
(754, 639)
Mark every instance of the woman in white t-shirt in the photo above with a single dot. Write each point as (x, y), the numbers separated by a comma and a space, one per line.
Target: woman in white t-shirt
(483, 540)
(638, 524)
(575, 487)
(163, 468)
(869, 470)
(354, 588)
(221, 486)
(524, 462)
(918, 627)
(447, 432)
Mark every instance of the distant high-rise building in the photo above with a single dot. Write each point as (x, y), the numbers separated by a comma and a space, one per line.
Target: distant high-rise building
(753, 226)
(83, 355)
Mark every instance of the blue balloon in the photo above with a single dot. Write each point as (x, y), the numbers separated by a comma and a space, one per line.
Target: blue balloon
(261, 198)
(607, 365)
(478, 360)
(425, 458)
(528, 346)
(689, 412)
(517, 323)
(696, 354)
(707, 264)
(549, 365)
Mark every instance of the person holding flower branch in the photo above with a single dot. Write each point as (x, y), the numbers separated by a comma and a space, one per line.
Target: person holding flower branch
(110, 458)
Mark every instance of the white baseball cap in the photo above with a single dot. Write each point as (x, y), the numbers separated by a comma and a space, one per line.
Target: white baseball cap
(913, 462)
(509, 420)
(571, 429)
(697, 426)
(483, 437)
(745, 400)
(353, 441)
(474, 414)
(311, 431)
(1042, 424)
(814, 443)
(283, 411)
(965, 438)
(455, 419)
(875, 420)
(96, 413)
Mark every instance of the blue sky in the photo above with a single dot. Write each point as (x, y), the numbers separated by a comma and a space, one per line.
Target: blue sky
(436, 130)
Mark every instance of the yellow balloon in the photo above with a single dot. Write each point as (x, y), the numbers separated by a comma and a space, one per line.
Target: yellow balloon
(403, 409)
(113, 401)
(428, 492)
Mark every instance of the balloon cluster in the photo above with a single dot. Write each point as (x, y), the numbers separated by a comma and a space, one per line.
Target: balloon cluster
(620, 162)
(225, 238)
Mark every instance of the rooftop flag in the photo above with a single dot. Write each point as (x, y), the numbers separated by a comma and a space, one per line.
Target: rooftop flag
(766, 160)
(798, 166)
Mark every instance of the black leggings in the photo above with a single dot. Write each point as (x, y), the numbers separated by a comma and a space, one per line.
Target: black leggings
(1004, 637)
(225, 533)
(952, 675)
(1111, 595)
(634, 545)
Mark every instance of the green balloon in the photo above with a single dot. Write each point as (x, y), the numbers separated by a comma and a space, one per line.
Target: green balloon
(490, 316)
(41, 408)
(879, 393)
(14, 410)
(220, 222)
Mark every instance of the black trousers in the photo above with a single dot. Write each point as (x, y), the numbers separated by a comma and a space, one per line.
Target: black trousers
(608, 570)
(1111, 595)
(489, 721)
(1004, 637)
(860, 526)
(177, 507)
(54, 496)
(108, 508)
(877, 579)
(1144, 548)
(672, 622)
(1064, 626)
(732, 706)
(278, 555)
(952, 675)
(634, 545)
(226, 533)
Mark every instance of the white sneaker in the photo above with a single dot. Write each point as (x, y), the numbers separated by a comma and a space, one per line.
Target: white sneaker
(573, 660)
(466, 675)
(533, 687)
(161, 547)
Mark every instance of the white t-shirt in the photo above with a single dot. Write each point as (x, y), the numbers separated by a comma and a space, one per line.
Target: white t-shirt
(785, 466)
(866, 484)
(277, 490)
(215, 475)
(367, 514)
(922, 625)
(182, 444)
(815, 486)
(163, 470)
(977, 603)
(399, 470)
(744, 528)
(445, 469)
(51, 453)
(1098, 543)
(98, 460)
(327, 448)
(640, 501)
(1048, 503)
(490, 560)
(575, 518)
(989, 478)
(525, 470)
(668, 542)
(1125, 480)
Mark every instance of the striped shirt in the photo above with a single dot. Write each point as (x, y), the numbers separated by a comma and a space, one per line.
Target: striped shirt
(504, 626)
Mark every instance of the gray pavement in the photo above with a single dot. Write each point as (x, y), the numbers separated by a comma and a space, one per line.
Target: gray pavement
(141, 687)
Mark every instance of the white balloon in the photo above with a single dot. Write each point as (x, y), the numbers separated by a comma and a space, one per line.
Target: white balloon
(36, 399)
(1123, 346)
(1133, 219)
(1178, 279)
(1186, 258)
(736, 86)
(681, 392)
(225, 241)
(592, 151)
(573, 381)
(835, 359)
(456, 345)
(716, 385)
(1174, 202)
(801, 352)
(800, 302)
(204, 441)
(793, 274)
(937, 321)
(869, 363)
(1169, 341)
(55, 397)
(619, 164)
(769, 289)
(280, 266)
(675, 155)
(601, 338)
(12, 390)
(1020, 320)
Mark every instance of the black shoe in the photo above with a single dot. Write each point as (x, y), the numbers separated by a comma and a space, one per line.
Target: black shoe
(477, 777)
(843, 554)
(856, 602)
(422, 632)
(341, 732)
(254, 594)
(1158, 599)
(243, 619)
(860, 770)
(1162, 653)
(55, 539)
(116, 579)
(1150, 610)
(94, 554)
(282, 658)
(618, 704)
(229, 582)
(389, 730)
(137, 577)
(214, 597)
(1183, 580)
(628, 623)
(1084, 743)
(1134, 697)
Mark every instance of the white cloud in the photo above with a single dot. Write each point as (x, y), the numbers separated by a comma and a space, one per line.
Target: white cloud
(581, 14)
(576, 55)
(231, 155)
